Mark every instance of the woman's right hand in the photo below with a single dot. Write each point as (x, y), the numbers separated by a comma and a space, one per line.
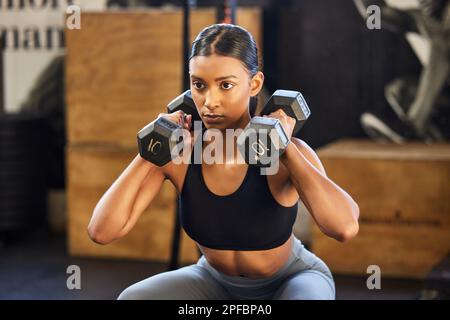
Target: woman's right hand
(185, 122)
(178, 117)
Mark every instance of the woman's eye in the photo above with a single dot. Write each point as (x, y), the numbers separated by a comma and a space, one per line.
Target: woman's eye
(197, 85)
(227, 85)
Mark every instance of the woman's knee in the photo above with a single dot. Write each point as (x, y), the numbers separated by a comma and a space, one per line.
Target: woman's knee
(166, 285)
(186, 283)
(135, 292)
(308, 285)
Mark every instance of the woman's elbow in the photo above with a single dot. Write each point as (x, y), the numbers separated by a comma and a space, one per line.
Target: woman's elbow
(349, 232)
(97, 236)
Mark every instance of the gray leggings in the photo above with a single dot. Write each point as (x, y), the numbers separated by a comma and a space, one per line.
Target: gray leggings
(303, 277)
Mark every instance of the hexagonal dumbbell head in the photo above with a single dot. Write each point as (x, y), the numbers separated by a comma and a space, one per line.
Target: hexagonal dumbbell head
(185, 103)
(262, 141)
(292, 103)
(155, 141)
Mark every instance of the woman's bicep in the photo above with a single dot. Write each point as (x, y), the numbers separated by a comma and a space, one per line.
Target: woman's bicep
(309, 154)
(148, 190)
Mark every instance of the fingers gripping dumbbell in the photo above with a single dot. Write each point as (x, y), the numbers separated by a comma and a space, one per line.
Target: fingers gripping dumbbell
(185, 103)
(264, 139)
(159, 141)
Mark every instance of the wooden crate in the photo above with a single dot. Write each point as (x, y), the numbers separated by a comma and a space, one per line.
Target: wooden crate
(403, 193)
(92, 170)
(124, 68)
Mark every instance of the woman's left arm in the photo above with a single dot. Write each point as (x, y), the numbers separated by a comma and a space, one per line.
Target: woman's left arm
(333, 209)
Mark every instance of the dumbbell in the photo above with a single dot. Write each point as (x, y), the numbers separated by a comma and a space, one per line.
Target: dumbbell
(155, 141)
(263, 139)
(185, 103)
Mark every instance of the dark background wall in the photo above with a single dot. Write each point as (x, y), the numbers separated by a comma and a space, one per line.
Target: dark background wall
(324, 49)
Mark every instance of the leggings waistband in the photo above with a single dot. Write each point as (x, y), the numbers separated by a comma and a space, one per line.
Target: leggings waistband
(243, 281)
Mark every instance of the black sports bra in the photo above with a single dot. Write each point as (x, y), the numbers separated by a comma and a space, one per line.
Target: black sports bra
(248, 219)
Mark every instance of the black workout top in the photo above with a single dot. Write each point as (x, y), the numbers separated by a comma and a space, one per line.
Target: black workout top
(248, 219)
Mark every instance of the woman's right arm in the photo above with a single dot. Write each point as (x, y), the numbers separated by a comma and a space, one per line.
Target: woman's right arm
(122, 204)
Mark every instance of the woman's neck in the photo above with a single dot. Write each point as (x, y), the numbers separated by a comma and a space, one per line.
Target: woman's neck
(228, 151)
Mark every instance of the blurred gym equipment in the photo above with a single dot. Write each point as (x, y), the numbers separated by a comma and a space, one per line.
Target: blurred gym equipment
(420, 104)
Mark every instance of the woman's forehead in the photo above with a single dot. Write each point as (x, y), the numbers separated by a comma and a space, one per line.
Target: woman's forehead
(216, 66)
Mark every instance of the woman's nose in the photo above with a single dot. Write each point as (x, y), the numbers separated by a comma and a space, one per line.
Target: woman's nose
(212, 100)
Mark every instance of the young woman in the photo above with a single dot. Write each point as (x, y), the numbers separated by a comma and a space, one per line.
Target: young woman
(241, 220)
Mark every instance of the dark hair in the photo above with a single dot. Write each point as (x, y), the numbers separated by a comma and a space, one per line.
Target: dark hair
(232, 41)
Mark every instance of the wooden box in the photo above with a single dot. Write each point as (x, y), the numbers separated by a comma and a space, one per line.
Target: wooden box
(403, 193)
(124, 68)
(92, 170)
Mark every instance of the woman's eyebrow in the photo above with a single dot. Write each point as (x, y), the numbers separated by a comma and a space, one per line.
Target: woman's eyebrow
(216, 79)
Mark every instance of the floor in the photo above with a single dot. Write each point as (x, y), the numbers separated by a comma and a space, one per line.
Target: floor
(34, 266)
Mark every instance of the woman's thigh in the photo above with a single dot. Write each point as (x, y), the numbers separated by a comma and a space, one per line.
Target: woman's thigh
(187, 283)
(306, 285)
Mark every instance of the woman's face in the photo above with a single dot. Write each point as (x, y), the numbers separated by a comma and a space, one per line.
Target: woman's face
(221, 88)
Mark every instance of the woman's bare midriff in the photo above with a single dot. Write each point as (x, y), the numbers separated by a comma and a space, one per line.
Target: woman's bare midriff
(250, 264)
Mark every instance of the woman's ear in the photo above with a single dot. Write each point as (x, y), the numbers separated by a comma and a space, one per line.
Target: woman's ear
(256, 83)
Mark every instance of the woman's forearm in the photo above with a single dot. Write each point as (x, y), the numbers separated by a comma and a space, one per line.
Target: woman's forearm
(334, 211)
(116, 207)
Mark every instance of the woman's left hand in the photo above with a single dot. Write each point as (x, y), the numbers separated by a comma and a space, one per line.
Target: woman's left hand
(288, 123)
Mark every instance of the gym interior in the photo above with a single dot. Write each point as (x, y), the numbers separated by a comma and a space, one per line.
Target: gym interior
(79, 79)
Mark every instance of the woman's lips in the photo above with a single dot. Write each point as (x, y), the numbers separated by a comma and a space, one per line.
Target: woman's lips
(212, 118)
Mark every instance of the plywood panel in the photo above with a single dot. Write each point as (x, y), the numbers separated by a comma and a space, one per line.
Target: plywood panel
(92, 171)
(403, 196)
(124, 68)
